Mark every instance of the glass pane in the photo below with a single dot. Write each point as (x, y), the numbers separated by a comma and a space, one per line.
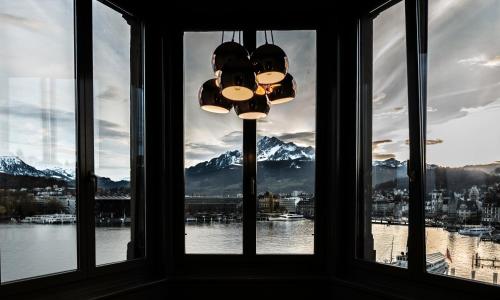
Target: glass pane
(286, 155)
(37, 139)
(463, 159)
(118, 138)
(212, 158)
(386, 190)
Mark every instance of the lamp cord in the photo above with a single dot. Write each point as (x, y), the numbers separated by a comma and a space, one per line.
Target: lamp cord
(239, 36)
(222, 41)
(232, 39)
(272, 37)
(265, 35)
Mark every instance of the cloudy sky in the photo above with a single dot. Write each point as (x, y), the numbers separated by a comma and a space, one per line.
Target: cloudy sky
(463, 110)
(208, 135)
(37, 89)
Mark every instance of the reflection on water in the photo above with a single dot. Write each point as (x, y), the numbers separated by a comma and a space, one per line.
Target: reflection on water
(461, 248)
(216, 238)
(278, 237)
(29, 250)
(285, 237)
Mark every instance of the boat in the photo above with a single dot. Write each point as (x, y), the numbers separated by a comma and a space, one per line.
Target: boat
(476, 230)
(491, 238)
(287, 217)
(435, 262)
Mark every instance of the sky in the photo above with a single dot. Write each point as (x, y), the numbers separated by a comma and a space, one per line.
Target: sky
(37, 86)
(463, 87)
(208, 135)
(37, 120)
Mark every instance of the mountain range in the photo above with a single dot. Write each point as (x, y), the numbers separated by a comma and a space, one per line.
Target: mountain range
(392, 173)
(281, 167)
(15, 173)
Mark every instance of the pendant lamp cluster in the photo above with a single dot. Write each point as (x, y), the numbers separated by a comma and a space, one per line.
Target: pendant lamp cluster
(249, 83)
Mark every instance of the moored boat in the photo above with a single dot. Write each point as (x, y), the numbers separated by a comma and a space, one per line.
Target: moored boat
(476, 230)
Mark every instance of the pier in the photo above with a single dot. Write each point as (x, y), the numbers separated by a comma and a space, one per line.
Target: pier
(477, 262)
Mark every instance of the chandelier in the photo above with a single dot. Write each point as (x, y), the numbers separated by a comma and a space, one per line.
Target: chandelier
(249, 83)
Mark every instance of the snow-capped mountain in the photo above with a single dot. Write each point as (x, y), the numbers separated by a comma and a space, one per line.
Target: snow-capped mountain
(274, 149)
(390, 163)
(281, 167)
(268, 149)
(13, 165)
(224, 160)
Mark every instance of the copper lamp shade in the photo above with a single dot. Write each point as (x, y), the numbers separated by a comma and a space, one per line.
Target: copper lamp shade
(237, 80)
(283, 91)
(211, 100)
(226, 53)
(256, 108)
(270, 64)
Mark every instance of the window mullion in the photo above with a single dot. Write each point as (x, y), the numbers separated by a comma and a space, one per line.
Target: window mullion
(364, 245)
(416, 50)
(85, 145)
(249, 168)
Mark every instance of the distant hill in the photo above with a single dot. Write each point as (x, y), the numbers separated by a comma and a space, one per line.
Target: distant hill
(15, 173)
(281, 167)
(392, 173)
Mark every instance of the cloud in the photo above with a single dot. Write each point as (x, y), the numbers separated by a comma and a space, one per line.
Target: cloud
(379, 97)
(26, 23)
(233, 137)
(110, 92)
(201, 151)
(393, 112)
(434, 142)
(110, 130)
(383, 156)
(481, 60)
(488, 107)
(375, 144)
(30, 111)
(301, 138)
(428, 142)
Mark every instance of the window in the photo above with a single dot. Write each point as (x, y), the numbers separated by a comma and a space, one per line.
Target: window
(37, 139)
(386, 151)
(213, 204)
(462, 204)
(435, 121)
(286, 155)
(118, 137)
(41, 216)
(215, 219)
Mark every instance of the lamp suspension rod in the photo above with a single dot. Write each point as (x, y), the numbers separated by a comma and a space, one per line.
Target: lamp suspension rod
(234, 31)
(222, 41)
(239, 37)
(265, 35)
(272, 37)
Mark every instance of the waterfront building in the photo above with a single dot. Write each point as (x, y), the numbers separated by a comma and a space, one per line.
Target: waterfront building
(269, 203)
(305, 207)
(491, 206)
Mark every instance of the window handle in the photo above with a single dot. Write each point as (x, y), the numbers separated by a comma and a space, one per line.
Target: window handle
(93, 181)
(253, 187)
(410, 172)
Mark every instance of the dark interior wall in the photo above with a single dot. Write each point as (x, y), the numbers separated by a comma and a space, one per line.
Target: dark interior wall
(249, 289)
(338, 277)
(332, 21)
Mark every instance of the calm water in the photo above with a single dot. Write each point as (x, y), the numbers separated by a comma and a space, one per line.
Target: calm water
(295, 237)
(461, 248)
(32, 250)
(29, 250)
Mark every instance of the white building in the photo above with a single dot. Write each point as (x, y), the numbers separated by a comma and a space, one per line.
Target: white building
(289, 203)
